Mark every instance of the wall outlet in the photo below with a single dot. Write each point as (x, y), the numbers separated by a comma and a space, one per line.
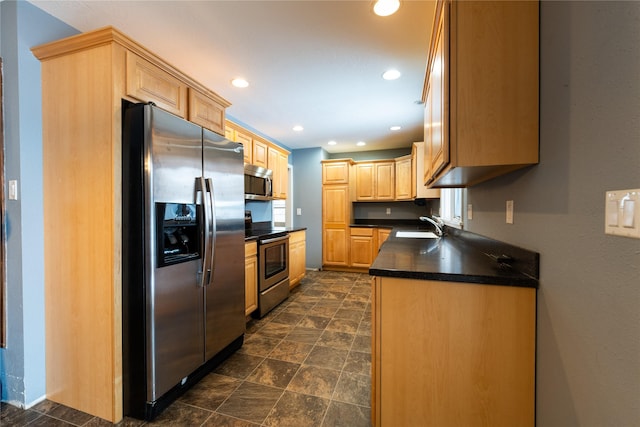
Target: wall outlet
(299, 211)
(509, 212)
(388, 211)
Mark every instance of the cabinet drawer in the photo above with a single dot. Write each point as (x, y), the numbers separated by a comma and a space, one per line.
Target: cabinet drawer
(250, 249)
(206, 112)
(362, 231)
(149, 83)
(297, 236)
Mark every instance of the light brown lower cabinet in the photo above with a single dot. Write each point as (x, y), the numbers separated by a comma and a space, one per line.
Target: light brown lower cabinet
(452, 354)
(362, 246)
(297, 257)
(250, 277)
(383, 235)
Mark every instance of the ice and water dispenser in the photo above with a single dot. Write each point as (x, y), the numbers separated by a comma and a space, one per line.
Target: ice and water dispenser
(178, 234)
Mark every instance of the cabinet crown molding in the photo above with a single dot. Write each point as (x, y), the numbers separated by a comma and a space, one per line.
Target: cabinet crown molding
(107, 35)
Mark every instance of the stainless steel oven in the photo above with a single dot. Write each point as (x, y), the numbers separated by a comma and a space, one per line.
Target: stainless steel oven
(273, 272)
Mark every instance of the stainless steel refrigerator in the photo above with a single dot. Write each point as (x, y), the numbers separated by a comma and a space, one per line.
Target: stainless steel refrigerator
(183, 255)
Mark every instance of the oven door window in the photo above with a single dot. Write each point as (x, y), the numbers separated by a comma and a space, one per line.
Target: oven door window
(275, 258)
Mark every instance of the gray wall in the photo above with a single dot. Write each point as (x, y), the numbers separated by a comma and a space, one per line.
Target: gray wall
(398, 210)
(588, 347)
(22, 363)
(307, 195)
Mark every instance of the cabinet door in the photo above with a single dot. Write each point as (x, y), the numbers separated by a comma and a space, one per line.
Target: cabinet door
(250, 277)
(439, 147)
(283, 171)
(404, 173)
(335, 217)
(297, 252)
(149, 83)
(334, 246)
(418, 189)
(437, 344)
(335, 173)
(361, 247)
(205, 111)
(228, 133)
(383, 235)
(385, 181)
(277, 161)
(247, 143)
(259, 157)
(365, 181)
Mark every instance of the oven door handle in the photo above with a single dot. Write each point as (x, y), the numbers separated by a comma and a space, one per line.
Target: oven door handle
(274, 240)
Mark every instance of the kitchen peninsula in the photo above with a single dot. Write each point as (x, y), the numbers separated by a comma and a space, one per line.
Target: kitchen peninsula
(454, 326)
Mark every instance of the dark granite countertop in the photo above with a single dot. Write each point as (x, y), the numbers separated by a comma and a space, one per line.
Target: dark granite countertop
(458, 257)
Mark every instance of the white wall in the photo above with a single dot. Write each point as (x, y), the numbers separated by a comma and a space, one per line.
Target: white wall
(588, 346)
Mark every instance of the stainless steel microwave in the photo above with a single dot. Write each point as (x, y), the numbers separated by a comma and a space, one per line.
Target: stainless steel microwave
(258, 183)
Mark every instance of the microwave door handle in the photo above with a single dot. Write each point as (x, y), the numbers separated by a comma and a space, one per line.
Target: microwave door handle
(205, 271)
(269, 188)
(214, 229)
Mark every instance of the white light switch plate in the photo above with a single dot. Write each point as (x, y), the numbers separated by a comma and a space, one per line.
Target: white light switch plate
(509, 218)
(622, 213)
(13, 189)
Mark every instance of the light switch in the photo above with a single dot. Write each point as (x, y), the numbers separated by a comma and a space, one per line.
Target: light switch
(509, 218)
(622, 213)
(13, 189)
(628, 211)
(299, 211)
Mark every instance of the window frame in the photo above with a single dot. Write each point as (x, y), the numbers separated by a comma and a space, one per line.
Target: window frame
(452, 202)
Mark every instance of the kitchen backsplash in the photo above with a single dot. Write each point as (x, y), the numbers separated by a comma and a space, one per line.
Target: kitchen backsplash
(397, 210)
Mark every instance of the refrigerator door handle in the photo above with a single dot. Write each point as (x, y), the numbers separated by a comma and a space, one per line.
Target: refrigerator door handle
(214, 229)
(205, 272)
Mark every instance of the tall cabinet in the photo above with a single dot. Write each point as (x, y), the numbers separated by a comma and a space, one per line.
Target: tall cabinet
(336, 211)
(84, 80)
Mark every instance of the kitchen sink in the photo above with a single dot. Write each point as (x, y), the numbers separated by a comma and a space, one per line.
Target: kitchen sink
(416, 235)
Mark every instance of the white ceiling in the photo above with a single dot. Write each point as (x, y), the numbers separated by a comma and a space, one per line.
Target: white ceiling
(312, 63)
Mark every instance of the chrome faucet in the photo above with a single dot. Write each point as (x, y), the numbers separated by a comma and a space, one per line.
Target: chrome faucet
(437, 223)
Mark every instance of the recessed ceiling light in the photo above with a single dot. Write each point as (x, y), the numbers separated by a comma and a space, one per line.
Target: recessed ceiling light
(386, 7)
(391, 74)
(298, 128)
(239, 82)
(332, 143)
(394, 128)
(361, 143)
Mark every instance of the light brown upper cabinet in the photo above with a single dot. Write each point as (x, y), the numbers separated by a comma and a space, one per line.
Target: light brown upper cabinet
(481, 91)
(234, 133)
(404, 171)
(205, 111)
(149, 83)
(418, 189)
(336, 172)
(375, 180)
(260, 156)
(278, 162)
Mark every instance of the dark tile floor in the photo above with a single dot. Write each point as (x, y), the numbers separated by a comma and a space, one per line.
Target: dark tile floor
(307, 363)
